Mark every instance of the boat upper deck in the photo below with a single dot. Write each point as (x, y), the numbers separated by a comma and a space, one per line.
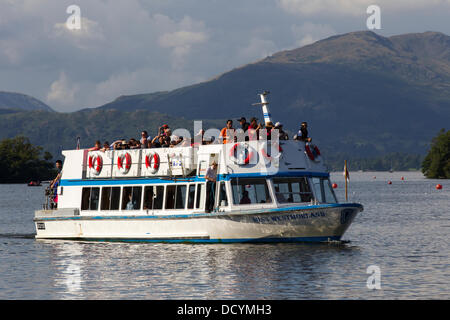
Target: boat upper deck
(251, 158)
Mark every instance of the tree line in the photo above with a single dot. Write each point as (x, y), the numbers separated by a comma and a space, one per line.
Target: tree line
(436, 164)
(20, 161)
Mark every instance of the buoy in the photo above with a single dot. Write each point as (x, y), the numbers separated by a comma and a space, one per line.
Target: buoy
(389, 182)
(374, 177)
(439, 186)
(403, 178)
(334, 185)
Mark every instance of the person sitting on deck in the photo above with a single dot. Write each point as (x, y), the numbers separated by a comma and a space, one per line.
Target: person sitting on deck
(281, 134)
(302, 134)
(98, 146)
(105, 146)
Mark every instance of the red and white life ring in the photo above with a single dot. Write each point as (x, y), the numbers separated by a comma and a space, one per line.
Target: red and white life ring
(248, 151)
(124, 163)
(95, 164)
(152, 162)
(267, 157)
(312, 151)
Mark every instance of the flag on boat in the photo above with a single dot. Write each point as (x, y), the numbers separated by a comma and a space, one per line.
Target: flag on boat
(346, 174)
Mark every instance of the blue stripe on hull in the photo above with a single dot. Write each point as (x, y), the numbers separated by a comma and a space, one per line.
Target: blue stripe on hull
(243, 240)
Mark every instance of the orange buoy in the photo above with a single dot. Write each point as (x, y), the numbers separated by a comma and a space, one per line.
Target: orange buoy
(389, 182)
(334, 185)
(438, 186)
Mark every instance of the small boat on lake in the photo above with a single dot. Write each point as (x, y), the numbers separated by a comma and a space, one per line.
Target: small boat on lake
(265, 191)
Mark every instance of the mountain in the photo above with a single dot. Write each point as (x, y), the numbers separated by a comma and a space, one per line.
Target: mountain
(360, 92)
(10, 101)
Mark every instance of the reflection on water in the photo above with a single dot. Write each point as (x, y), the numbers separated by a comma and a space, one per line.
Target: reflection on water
(403, 230)
(87, 270)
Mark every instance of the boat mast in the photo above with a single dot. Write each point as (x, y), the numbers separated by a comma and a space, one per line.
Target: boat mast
(264, 103)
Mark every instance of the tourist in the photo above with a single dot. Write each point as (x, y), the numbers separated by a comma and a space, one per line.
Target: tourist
(210, 176)
(281, 134)
(144, 138)
(54, 184)
(245, 199)
(302, 133)
(253, 129)
(105, 146)
(227, 133)
(98, 146)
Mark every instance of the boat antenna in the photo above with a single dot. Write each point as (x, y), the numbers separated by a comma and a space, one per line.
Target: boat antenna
(264, 103)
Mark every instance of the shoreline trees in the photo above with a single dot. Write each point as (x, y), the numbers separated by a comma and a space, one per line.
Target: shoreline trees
(436, 164)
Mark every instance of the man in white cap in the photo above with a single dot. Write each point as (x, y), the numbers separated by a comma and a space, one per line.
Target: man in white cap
(281, 134)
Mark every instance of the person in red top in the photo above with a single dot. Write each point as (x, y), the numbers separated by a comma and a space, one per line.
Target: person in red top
(253, 129)
(98, 146)
(227, 133)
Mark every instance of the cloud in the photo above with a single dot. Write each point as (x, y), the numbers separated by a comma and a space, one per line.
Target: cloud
(188, 33)
(309, 32)
(62, 91)
(353, 7)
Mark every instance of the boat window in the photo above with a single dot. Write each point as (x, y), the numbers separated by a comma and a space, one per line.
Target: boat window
(290, 190)
(200, 196)
(223, 199)
(175, 197)
(90, 198)
(131, 198)
(191, 196)
(110, 198)
(323, 190)
(250, 191)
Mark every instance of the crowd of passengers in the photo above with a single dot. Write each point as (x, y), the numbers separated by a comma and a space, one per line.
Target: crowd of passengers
(165, 139)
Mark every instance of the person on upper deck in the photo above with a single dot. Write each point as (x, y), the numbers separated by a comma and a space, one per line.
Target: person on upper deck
(302, 133)
(282, 135)
(55, 182)
(105, 146)
(98, 146)
(227, 133)
(244, 126)
(144, 138)
(253, 129)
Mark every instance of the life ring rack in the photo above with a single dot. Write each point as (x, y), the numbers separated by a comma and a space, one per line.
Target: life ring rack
(152, 162)
(267, 157)
(312, 151)
(124, 163)
(248, 159)
(95, 164)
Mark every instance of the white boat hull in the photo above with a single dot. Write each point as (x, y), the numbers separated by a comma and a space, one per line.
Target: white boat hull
(317, 223)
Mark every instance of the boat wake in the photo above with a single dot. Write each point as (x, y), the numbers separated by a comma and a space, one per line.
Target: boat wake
(18, 235)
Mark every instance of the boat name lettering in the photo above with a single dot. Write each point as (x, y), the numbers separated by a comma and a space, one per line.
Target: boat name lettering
(295, 216)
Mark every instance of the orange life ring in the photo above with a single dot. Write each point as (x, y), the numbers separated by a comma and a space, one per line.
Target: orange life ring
(124, 167)
(96, 164)
(152, 158)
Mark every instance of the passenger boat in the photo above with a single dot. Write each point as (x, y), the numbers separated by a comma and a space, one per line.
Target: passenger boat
(159, 195)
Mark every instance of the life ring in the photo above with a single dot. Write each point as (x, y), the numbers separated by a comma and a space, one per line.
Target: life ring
(124, 163)
(313, 153)
(268, 158)
(247, 150)
(95, 164)
(152, 162)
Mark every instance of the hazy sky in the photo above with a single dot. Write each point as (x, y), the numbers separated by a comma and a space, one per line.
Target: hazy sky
(133, 46)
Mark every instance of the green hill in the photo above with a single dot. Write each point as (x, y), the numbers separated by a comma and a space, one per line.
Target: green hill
(11, 101)
(362, 94)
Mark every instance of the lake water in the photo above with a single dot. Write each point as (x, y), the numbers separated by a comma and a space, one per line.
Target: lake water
(404, 231)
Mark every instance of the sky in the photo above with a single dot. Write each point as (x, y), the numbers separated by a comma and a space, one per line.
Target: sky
(136, 46)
